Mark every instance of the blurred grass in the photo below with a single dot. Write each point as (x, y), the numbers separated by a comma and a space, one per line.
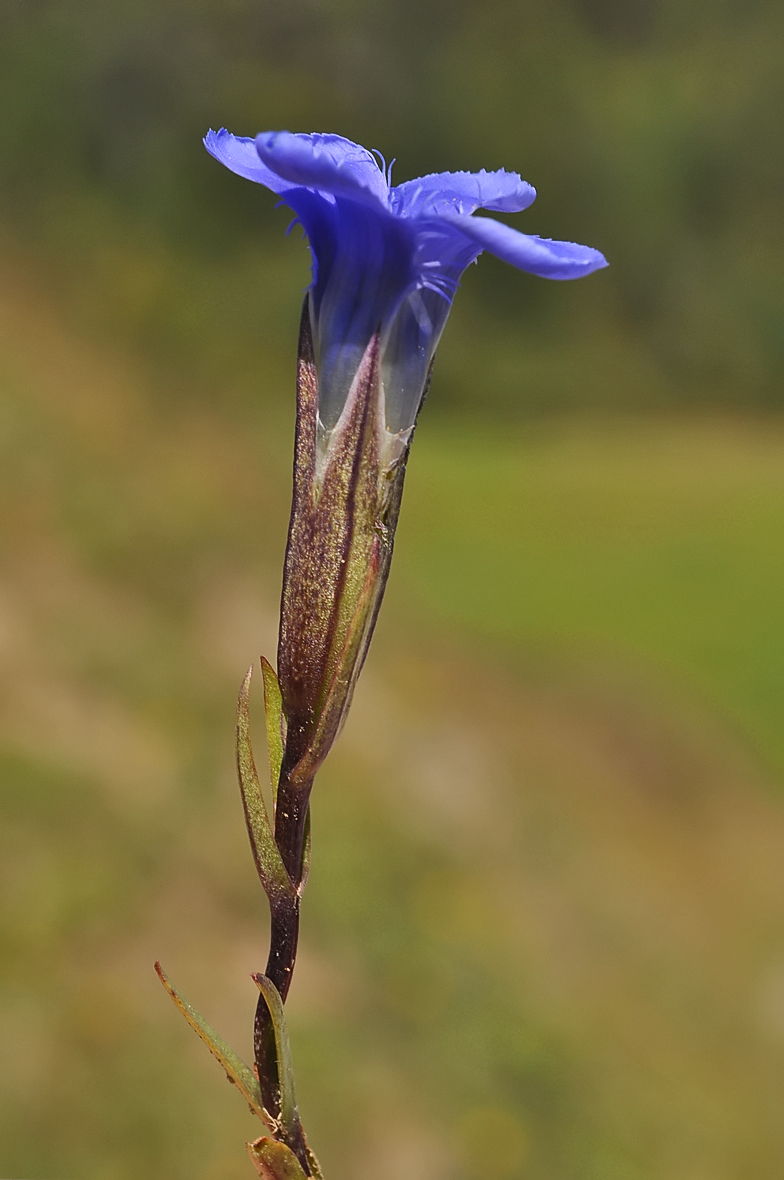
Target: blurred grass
(650, 544)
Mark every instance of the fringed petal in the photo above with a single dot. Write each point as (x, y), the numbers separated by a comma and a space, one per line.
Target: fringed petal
(538, 256)
(462, 193)
(328, 163)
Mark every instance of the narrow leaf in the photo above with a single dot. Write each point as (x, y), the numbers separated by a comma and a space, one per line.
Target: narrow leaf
(289, 1115)
(306, 853)
(273, 707)
(275, 1161)
(272, 872)
(236, 1070)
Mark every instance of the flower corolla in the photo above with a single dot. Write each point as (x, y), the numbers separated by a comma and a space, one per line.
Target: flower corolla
(387, 259)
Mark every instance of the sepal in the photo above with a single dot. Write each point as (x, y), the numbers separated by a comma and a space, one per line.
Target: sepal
(347, 486)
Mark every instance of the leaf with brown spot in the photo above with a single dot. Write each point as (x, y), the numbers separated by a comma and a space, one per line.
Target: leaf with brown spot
(236, 1070)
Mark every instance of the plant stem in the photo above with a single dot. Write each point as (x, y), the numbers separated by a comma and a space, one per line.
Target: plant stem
(290, 826)
(291, 813)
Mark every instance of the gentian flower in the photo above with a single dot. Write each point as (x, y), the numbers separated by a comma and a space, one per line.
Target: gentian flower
(389, 259)
(386, 263)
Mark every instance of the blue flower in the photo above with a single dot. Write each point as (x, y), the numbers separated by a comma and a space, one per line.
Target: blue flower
(388, 259)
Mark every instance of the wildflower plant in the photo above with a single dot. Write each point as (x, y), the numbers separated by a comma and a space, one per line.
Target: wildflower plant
(386, 262)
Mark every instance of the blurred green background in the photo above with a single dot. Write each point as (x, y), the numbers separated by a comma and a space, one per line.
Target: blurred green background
(544, 933)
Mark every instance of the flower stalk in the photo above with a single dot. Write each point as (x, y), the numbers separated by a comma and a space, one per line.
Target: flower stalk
(348, 484)
(386, 262)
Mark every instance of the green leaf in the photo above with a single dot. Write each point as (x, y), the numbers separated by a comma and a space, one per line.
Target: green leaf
(289, 1115)
(275, 1161)
(276, 723)
(306, 851)
(269, 865)
(236, 1070)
